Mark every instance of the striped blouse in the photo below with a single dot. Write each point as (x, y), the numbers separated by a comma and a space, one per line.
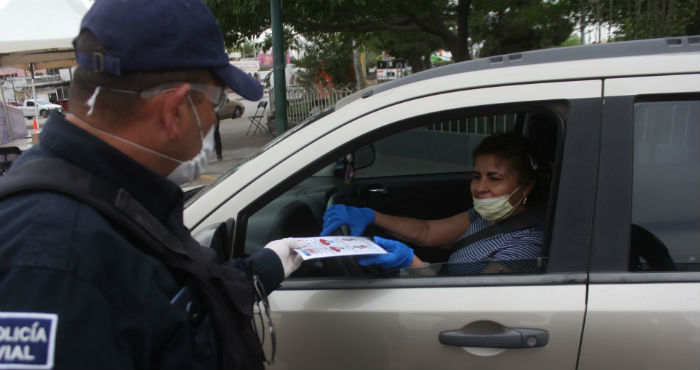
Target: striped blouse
(517, 250)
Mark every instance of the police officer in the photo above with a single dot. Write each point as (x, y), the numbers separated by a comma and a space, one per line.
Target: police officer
(97, 269)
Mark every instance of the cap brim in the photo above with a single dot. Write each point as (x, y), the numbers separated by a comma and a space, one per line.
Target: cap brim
(240, 82)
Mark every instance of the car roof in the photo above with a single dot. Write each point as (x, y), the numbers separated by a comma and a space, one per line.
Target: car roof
(662, 46)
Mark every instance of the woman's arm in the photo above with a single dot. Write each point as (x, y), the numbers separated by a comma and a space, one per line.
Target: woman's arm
(425, 233)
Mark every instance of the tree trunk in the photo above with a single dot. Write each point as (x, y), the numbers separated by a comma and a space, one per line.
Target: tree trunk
(358, 67)
(582, 23)
(416, 63)
(460, 51)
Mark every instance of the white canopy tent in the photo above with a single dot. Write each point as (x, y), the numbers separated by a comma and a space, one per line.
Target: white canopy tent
(37, 34)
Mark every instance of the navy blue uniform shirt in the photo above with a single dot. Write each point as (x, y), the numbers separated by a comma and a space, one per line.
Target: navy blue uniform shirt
(75, 293)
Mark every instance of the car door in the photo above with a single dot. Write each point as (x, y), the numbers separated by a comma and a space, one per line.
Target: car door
(395, 321)
(644, 295)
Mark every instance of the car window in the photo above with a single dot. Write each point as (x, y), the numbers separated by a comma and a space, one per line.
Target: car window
(442, 147)
(665, 231)
(422, 171)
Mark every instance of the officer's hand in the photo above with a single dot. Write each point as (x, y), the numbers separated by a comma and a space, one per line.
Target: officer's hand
(399, 255)
(284, 248)
(356, 218)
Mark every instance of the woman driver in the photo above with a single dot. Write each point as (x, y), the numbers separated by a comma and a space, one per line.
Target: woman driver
(504, 177)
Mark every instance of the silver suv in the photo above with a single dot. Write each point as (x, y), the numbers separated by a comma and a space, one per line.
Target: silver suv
(618, 127)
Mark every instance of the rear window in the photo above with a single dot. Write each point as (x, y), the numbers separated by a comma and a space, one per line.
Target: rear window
(666, 186)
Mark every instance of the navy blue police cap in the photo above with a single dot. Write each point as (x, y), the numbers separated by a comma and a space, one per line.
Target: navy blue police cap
(161, 36)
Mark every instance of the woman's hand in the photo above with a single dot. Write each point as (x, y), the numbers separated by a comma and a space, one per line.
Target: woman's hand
(338, 215)
(398, 255)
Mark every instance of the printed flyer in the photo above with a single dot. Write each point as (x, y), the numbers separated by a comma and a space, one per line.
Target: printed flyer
(336, 246)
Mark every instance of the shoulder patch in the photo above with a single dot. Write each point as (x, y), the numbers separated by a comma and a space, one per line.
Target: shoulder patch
(27, 340)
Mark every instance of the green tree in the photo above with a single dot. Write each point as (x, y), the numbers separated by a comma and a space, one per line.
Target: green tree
(414, 47)
(291, 41)
(327, 60)
(506, 26)
(573, 40)
(641, 19)
(447, 20)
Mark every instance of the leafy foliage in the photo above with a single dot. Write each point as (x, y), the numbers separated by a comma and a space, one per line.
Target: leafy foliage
(427, 21)
(328, 60)
(415, 47)
(505, 26)
(413, 29)
(642, 19)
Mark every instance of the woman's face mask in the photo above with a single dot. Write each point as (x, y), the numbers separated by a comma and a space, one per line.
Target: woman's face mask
(495, 209)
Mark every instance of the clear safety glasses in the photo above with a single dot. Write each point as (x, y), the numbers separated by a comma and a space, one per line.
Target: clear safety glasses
(215, 94)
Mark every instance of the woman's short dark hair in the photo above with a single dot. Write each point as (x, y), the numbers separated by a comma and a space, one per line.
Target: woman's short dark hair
(512, 147)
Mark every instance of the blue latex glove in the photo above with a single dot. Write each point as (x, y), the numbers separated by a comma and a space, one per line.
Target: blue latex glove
(356, 218)
(399, 255)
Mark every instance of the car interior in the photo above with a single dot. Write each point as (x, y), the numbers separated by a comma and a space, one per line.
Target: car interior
(420, 168)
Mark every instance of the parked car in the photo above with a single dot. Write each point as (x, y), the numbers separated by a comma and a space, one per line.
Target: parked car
(618, 126)
(30, 107)
(234, 108)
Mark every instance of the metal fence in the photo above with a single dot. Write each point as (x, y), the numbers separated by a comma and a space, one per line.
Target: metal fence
(304, 102)
(488, 125)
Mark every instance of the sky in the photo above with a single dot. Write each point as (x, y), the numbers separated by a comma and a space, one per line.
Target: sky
(87, 3)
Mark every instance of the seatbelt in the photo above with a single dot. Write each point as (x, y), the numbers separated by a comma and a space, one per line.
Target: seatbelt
(224, 289)
(523, 220)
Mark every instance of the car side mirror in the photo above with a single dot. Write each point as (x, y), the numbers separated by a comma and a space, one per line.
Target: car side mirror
(364, 157)
(218, 237)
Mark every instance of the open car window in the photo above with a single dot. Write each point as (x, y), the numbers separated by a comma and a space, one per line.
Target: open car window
(420, 169)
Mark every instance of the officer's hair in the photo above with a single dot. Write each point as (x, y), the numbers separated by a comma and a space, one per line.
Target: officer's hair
(117, 106)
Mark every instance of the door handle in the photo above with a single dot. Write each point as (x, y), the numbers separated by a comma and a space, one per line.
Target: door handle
(381, 190)
(510, 338)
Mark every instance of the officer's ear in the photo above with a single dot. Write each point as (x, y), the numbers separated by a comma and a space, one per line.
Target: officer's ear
(174, 110)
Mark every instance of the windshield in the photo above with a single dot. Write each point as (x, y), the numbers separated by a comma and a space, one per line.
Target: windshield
(42, 101)
(269, 145)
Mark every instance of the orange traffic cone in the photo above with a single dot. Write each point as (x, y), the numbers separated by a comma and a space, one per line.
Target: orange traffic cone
(36, 126)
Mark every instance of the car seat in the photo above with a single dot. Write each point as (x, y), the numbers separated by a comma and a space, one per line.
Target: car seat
(543, 133)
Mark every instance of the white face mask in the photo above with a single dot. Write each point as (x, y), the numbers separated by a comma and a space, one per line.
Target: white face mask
(190, 170)
(186, 171)
(495, 209)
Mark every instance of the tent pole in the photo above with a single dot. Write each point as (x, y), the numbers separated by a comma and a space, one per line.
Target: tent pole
(36, 105)
(14, 92)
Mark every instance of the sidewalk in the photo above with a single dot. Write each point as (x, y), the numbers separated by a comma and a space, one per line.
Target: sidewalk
(236, 145)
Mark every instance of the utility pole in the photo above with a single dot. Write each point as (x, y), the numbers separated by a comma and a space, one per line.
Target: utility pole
(278, 69)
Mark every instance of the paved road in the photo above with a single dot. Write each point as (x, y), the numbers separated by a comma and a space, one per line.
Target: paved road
(236, 145)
